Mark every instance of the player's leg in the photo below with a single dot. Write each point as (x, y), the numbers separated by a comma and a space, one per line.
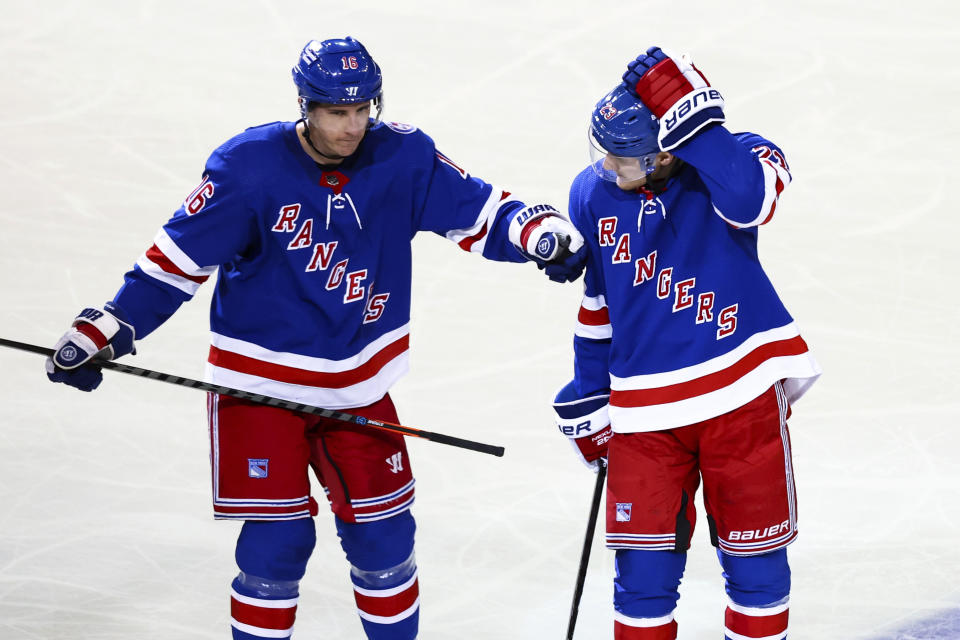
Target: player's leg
(645, 593)
(370, 487)
(749, 496)
(272, 557)
(383, 570)
(650, 517)
(259, 459)
(758, 588)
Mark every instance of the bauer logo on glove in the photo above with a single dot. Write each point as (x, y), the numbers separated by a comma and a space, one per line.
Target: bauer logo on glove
(545, 236)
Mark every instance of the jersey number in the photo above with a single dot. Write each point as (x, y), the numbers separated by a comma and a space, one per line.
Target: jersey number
(349, 62)
(198, 198)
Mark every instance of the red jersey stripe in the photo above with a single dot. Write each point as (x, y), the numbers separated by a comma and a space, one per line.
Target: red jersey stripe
(293, 375)
(593, 317)
(467, 243)
(155, 255)
(779, 187)
(712, 382)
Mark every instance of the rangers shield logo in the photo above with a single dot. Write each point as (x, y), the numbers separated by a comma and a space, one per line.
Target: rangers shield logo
(258, 467)
(623, 511)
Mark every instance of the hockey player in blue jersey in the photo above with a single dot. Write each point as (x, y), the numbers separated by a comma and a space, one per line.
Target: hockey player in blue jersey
(686, 361)
(308, 225)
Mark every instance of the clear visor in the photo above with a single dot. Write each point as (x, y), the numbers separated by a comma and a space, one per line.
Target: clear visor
(620, 169)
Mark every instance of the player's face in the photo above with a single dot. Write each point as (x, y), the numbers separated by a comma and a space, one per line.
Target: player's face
(337, 129)
(630, 175)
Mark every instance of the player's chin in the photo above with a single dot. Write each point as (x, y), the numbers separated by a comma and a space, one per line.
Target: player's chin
(630, 184)
(347, 147)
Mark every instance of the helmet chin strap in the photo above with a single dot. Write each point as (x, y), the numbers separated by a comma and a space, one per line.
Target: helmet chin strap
(659, 184)
(306, 136)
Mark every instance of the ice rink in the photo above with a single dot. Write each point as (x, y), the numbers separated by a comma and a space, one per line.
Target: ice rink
(108, 112)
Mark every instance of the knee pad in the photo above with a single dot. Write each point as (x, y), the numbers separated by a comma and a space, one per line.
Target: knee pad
(377, 545)
(757, 581)
(646, 582)
(276, 550)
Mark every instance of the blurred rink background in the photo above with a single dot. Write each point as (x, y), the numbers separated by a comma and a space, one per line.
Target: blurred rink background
(108, 112)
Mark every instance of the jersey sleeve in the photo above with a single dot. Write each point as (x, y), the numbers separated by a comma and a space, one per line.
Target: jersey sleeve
(214, 225)
(744, 173)
(593, 333)
(467, 210)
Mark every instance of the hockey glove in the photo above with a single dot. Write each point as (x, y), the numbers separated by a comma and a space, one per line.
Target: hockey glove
(103, 333)
(550, 240)
(586, 424)
(676, 93)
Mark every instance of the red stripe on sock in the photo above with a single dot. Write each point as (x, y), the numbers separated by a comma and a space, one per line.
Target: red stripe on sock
(262, 617)
(663, 632)
(390, 605)
(757, 626)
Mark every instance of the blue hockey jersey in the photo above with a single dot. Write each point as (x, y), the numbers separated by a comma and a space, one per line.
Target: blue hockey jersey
(312, 299)
(679, 323)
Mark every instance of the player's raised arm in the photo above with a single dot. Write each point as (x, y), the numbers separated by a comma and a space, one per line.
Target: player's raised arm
(744, 173)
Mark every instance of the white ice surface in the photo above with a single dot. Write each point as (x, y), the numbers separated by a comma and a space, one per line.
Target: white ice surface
(107, 113)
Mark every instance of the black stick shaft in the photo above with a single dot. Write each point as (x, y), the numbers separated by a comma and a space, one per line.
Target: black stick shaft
(273, 402)
(585, 554)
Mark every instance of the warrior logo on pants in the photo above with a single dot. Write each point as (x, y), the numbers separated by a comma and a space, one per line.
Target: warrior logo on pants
(396, 462)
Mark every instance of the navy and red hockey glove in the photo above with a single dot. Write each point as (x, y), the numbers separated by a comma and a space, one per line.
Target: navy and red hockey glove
(103, 333)
(676, 93)
(547, 238)
(584, 421)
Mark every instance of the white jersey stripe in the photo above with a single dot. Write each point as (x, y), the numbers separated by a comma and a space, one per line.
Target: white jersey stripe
(153, 270)
(485, 219)
(357, 395)
(309, 363)
(176, 255)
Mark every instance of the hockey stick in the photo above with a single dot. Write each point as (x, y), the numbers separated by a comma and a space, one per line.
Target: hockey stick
(587, 543)
(274, 402)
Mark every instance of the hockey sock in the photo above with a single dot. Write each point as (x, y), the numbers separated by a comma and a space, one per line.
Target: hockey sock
(384, 575)
(759, 591)
(272, 557)
(645, 594)
(388, 601)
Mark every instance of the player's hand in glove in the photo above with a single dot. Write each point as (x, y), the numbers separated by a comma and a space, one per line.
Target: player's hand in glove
(585, 423)
(103, 333)
(542, 234)
(676, 93)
